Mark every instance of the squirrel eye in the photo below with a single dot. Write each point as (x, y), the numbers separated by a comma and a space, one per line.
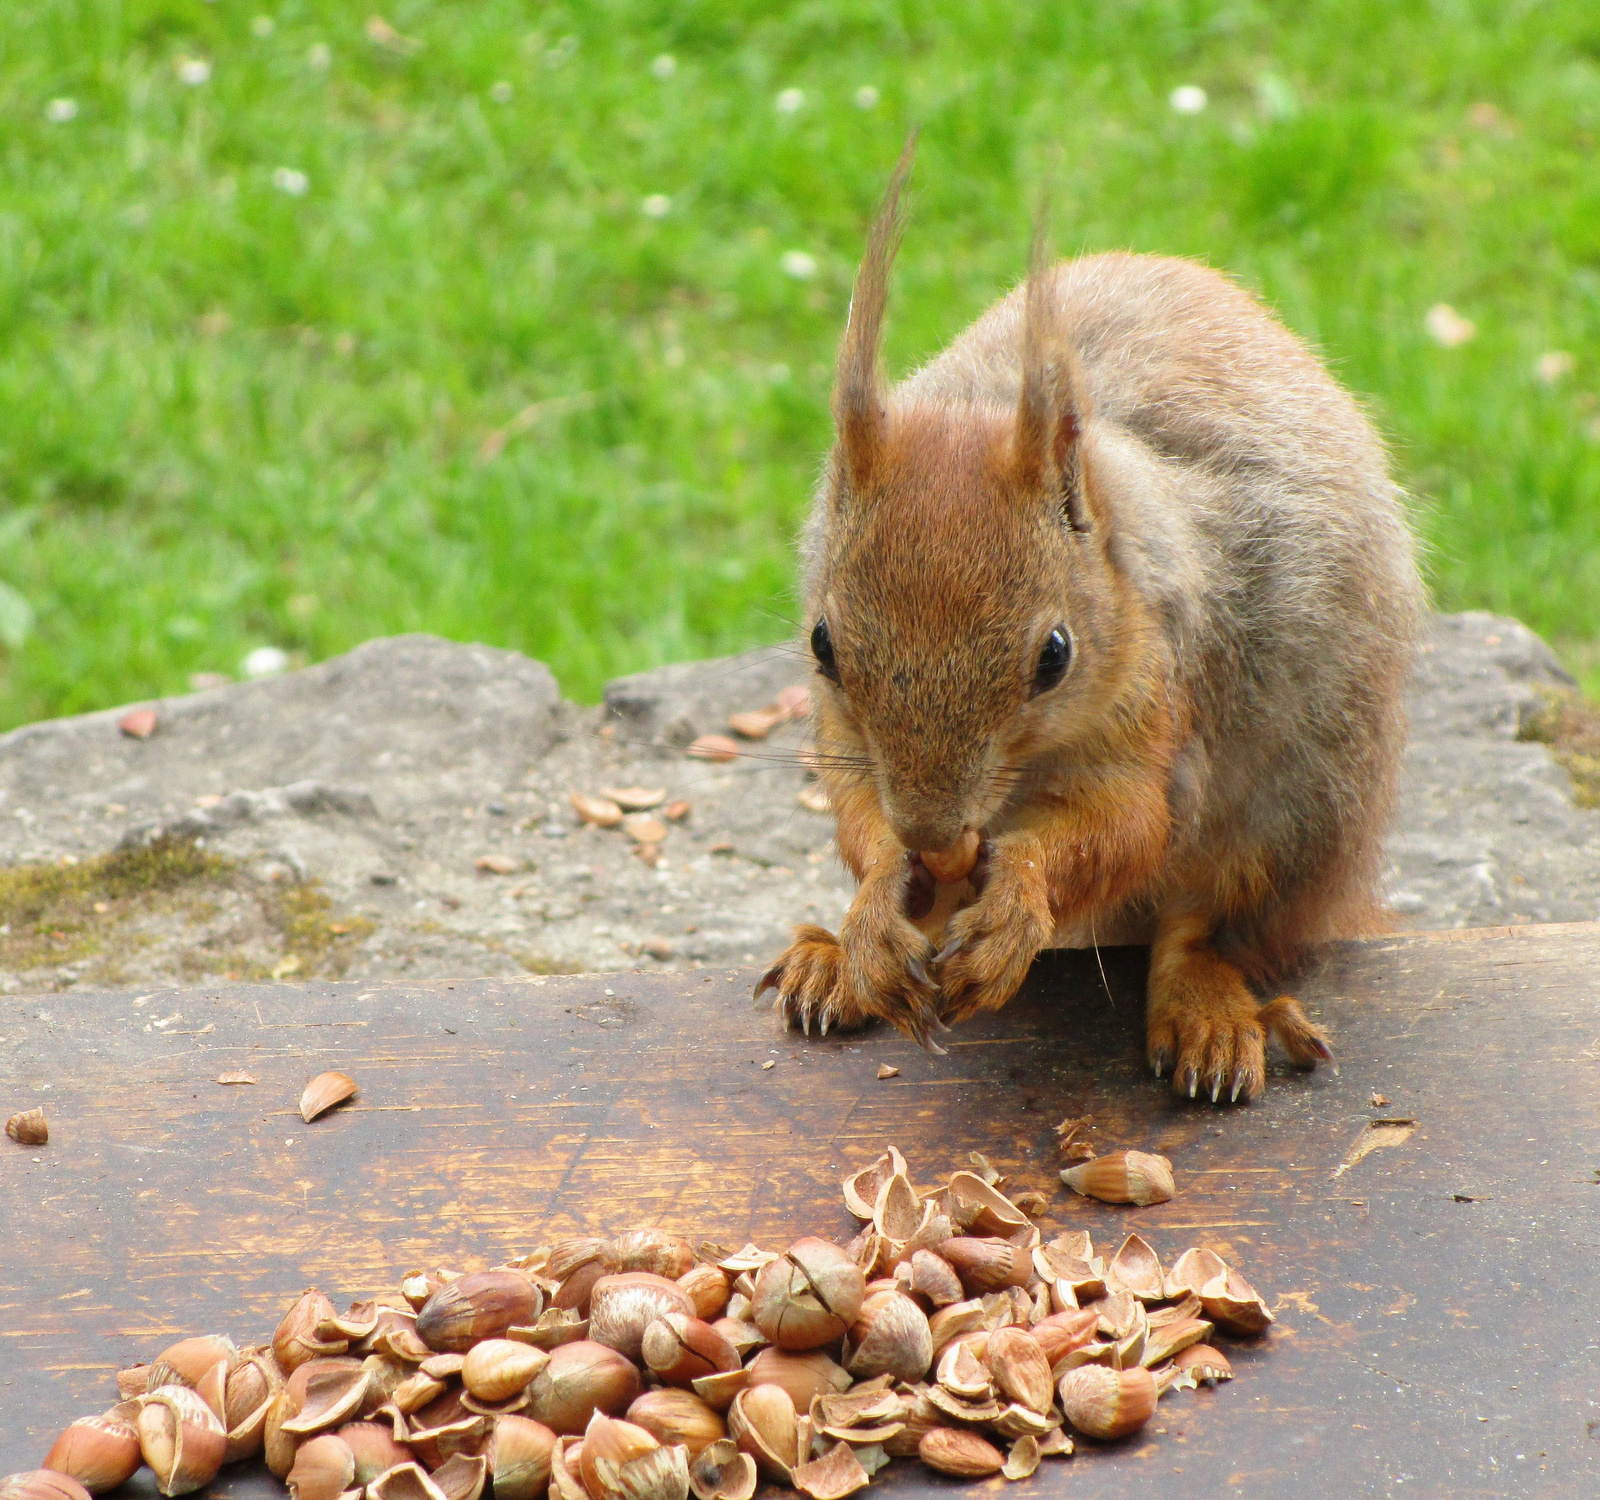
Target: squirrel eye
(822, 649)
(1054, 660)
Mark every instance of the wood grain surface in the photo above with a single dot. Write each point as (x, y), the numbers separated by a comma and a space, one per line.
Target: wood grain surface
(1437, 1302)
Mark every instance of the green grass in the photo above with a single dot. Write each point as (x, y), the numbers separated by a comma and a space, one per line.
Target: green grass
(231, 416)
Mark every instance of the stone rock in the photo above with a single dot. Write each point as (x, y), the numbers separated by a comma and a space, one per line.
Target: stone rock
(386, 774)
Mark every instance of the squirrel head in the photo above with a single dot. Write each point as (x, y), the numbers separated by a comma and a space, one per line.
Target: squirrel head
(963, 605)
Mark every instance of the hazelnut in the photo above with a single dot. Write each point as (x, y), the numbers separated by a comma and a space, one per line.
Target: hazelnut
(804, 1375)
(621, 1307)
(890, 1337)
(679, 1350)
(99, 1452)
(809, 1296)
(673, 1416)
(1107, 1404)
(498, 1369)
(581, 1378)
(480, 1305)
(650, 1250)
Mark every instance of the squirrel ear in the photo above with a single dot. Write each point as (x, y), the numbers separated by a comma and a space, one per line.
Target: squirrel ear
(858, 395)
(1052, 408)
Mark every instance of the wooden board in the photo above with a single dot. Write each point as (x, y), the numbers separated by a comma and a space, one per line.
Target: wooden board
(1437, 1302)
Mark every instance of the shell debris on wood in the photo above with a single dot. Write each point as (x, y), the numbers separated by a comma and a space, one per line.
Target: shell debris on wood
(323, 1092)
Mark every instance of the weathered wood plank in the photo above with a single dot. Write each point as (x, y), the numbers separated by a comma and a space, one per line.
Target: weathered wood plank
(1437, 1302)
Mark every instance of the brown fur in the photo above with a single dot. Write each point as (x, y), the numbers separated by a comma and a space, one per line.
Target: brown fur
(1133, 449)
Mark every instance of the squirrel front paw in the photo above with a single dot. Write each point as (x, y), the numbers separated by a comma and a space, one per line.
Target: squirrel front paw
(990, 945)
(846, 983)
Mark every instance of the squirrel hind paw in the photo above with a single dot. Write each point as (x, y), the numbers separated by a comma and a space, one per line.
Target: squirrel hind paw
(1305, 1042)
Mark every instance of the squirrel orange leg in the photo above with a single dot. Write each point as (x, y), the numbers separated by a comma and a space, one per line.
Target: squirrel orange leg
(990, 944)
(1204, 1024)
(876, 969)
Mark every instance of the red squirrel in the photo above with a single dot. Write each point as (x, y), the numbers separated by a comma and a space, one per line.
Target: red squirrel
(1112, 606)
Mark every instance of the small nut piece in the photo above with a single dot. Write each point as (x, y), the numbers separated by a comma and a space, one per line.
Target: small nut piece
(1123, 1177)
(708, 1288)
(964, 1454)
(27, 1128)
(947, 866)
(722, 1472)
(323, 1092)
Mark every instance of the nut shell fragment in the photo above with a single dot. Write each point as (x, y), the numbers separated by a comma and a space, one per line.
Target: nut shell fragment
(833, 1476)
(323, 1469)
(1023, 1459)
(519, 1457)
(603, 812)
(1204, 1363)
(323, 1092)
(181, 1438)
(1123, 1177)
(715, 747)
(722, 1472)
(28, 1128)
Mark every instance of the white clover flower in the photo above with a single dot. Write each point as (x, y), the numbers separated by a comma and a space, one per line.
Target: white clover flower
(264, 661)
(1447, 327)
(319, 57)
(262, 26)
(798, 264)
(59, 111)
(664, 66)
(193, 71)
(1553, 366)
(291, 181)
(501, 91)
(656, 206)
(1187, 99)
(867, 97)
(789, 101)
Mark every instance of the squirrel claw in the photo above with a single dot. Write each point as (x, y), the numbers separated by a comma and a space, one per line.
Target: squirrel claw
(768, 981)
(1160, 1061)
(919, 973)
(949, 950)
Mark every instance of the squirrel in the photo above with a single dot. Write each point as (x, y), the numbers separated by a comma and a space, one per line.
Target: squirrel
(1112, 607)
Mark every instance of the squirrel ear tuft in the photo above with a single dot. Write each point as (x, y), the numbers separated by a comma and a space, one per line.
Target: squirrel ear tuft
(1052, 408)
(858, 395)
